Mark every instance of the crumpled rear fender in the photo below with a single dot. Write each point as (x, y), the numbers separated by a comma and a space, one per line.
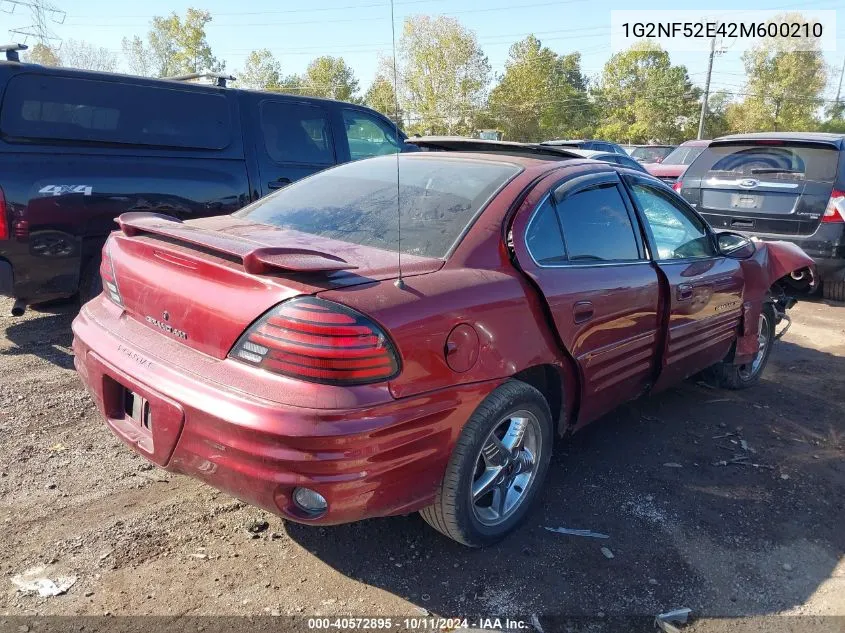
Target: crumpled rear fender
(770, 262)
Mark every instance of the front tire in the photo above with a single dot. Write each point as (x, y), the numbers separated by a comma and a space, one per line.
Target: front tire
(90, 282)
(732, 376)
(497, 467)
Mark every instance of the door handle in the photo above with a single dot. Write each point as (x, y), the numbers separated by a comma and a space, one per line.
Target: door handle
(278, 183)
(684, 292)
(582, 312)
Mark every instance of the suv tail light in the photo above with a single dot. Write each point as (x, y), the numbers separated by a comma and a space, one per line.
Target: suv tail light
(677, 185)
(4, 220)
(109, 279)
(835, 211)
(319, 341)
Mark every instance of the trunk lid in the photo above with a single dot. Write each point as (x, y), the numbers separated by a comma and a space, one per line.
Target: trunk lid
(203, 282)
(767, 187)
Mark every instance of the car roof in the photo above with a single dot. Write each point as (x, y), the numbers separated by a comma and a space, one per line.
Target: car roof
(696, 142)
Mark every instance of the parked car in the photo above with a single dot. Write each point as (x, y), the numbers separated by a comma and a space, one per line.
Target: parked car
(675, 164)
(651, 153)
(597, 146)
(79, 148)
(609, 157)
(778, 186)
(307, 357)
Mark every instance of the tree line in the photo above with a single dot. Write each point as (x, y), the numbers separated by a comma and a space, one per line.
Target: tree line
(442, 83)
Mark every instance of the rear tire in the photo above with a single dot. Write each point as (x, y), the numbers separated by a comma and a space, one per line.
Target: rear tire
(730, 376)
(90, 282)
(514, 427)
(834, 290)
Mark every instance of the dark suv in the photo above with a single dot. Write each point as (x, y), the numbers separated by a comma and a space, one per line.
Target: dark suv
(78, 148)
(778, 186)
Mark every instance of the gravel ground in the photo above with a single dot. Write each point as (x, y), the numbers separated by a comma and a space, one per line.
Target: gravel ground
(724, 540)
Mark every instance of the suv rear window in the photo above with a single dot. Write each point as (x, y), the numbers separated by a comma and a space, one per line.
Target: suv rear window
(767, 161)
(356, 202)
(91, 111)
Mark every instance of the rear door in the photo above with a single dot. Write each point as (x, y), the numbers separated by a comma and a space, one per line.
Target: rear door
(703, 289)
(294, 139)
(581, 247)
(765, 187)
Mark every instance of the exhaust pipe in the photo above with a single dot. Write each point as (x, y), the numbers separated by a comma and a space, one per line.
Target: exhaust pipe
(797, 275)
(18, 307)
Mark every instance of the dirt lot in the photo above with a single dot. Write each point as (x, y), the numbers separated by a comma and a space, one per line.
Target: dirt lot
(725, 540)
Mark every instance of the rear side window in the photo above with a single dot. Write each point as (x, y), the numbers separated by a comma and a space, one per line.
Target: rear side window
(543, 237)
(683, 155)
(91, 111)
(597, 227)
(766, 162)
(438, 198)
(297, 133)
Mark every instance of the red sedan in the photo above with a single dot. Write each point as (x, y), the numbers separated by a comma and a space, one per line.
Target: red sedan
(277, 353)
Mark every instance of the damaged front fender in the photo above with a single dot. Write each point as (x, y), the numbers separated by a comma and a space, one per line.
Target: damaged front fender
(771, 262)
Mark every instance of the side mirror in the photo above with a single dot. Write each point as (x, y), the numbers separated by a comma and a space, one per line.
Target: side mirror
(735, 246)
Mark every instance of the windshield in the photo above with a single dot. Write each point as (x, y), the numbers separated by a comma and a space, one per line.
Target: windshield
(684, 155)
(356, 202)
(651, 154)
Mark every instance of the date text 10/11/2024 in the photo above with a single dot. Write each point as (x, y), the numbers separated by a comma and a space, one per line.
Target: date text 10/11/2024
(416, 624)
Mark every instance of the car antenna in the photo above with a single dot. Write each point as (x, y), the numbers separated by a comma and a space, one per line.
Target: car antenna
(399, 283)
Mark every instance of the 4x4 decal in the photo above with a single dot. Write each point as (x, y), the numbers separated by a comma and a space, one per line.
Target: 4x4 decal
(58, 190)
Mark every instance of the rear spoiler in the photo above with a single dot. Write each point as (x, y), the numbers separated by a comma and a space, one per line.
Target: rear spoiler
(484, 146)
(776, 142)
(257, 258)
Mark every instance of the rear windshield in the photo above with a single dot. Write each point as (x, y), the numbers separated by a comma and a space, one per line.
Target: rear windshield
(356, 202)
(86, 110)
(684, 155)
(650, 154)
(769, 161)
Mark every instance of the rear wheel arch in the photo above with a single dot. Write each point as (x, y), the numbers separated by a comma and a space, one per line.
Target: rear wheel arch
(559, 386)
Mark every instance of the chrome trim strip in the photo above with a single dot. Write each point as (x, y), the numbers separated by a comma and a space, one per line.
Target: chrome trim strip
(718, 182)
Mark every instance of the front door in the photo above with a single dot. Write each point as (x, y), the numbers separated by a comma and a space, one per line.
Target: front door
(294, 140)
(582, 247)
(705, 288)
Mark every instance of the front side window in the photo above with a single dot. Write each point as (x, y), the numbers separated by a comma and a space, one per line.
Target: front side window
(678, 234)
(368, 136)
(296, 133)
(597, 227)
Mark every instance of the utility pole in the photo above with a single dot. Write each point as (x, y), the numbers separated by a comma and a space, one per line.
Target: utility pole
(839, 89)
(706, 88)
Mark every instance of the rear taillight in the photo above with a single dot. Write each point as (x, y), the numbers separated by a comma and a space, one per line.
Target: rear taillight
(4, 220)
(835, 211)
(319, 341)
(676, 186)
(109, 279)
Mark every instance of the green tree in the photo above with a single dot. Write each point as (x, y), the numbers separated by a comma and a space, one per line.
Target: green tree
(716, 122)
(261, 71)
(42, 54)
(175, 46)
(382, 97)
(643, 97)
(78, 54)
(783, 86)
(331, 78)
(444, 75)
(542, 95)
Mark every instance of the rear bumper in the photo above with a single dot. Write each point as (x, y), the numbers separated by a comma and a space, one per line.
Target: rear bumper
(7, 278)
(826, 246)
(376, 460)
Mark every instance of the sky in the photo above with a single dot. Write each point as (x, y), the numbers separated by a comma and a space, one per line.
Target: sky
(360, 30)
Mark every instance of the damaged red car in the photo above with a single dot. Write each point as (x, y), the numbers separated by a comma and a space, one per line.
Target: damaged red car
(411, 334)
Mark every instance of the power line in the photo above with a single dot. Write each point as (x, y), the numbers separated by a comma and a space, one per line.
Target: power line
(42, 13)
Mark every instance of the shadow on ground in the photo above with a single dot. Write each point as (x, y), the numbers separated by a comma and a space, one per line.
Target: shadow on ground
(47, 335)
(686, 529)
